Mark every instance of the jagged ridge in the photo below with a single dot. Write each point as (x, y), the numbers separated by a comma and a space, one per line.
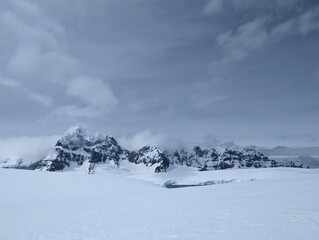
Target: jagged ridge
(79, 148)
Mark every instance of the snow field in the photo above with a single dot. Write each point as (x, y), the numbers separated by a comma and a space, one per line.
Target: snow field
(278, 204)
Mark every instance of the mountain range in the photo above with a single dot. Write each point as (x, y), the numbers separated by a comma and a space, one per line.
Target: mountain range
(79, 149)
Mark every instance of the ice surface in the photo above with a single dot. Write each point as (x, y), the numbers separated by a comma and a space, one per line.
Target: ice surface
(280, 203)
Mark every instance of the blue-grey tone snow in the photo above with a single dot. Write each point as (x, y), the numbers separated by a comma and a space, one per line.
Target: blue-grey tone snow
(252, 204)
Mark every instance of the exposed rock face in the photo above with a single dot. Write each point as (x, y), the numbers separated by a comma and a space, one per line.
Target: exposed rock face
(210, 159)
(150, 155)
(76, 148)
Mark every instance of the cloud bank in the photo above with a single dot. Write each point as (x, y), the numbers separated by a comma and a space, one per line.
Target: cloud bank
(244, 70)
(29, 149)
(36, 50)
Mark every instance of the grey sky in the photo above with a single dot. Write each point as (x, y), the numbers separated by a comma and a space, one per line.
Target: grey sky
(241, 70)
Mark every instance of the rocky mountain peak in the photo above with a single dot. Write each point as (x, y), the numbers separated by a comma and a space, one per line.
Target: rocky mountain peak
(81, 148)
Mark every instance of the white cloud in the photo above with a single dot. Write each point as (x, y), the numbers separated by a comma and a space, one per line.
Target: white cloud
(141, 139)
(218, 6)
(36, 49)
(284, 28)
(59, 67)
(213, 7)
(27, 148)
(168, 111)
(25, 61)
(31, 28)
(72, 111)
(32, 37)
(309, 21)
(9, 82)
(201, 101)
(92, 91)
(43, 100)
(302, 24)
(255, 34)
(26, 6)
(238, 44)
(50, 65)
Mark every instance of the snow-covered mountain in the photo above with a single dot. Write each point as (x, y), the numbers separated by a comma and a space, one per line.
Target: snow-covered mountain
(210, 159)
(85, 151)
(80, 149)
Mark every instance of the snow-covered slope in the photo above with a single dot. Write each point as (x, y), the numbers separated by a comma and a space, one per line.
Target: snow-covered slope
(263, 204)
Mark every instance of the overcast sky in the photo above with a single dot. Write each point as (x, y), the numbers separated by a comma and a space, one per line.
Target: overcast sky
(241, 70)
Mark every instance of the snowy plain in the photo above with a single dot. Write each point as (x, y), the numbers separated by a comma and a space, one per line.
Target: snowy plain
(272, 203)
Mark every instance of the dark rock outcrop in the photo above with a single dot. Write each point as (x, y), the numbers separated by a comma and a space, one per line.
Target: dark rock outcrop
(77, 148)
